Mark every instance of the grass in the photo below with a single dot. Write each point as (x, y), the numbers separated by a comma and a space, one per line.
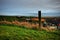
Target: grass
(14, 32)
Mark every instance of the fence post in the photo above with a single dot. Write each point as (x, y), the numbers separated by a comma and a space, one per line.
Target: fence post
(39, 17)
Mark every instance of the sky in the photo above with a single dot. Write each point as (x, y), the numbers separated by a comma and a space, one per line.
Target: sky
(21, 7)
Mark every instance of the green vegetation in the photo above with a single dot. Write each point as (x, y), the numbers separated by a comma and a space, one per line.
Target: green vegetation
(13, 18)
(8, 18)
(14, 32)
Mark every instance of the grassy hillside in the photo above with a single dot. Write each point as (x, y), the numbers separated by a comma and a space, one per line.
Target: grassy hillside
(13, 32)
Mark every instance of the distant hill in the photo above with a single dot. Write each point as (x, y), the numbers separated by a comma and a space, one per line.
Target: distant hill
(33, 14)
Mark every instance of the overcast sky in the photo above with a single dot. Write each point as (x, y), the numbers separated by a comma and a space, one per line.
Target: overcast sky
(16, 7)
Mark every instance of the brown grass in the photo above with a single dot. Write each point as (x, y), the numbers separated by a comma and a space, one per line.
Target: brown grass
(28, 25)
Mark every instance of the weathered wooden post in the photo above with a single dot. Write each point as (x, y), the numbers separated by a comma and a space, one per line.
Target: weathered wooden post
(39, 17)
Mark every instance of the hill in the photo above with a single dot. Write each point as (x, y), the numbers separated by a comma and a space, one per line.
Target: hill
(13, 32)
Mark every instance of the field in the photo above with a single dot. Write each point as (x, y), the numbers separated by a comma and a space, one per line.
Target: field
(18, 28)
(14, 32)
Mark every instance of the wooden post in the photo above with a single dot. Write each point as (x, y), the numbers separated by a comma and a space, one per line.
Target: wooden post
(39, 17)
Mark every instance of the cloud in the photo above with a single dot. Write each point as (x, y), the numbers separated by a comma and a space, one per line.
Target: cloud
(25, 5)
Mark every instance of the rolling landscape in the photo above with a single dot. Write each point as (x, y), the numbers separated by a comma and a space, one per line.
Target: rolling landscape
(19, 28)
(29, 19)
